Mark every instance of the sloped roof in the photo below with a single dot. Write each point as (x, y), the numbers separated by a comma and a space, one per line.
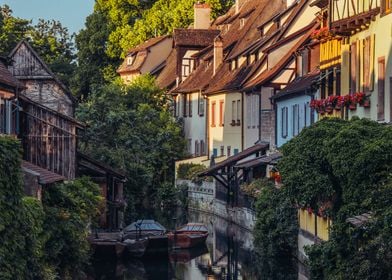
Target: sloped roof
(45, 176)
(44, 65)
(236, 158)
(137, 64)
(6, 78)
(197, 80)
(299, 84)
(194, 37)
(271, 73)
(167, 77)
(148, 44)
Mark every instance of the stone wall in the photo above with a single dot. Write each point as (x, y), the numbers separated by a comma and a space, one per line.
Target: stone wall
(202, 198)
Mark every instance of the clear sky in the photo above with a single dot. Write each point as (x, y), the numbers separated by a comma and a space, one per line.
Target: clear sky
(71, 13)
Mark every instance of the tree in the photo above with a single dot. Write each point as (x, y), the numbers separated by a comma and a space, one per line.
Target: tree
(349, 164)
(131, 128)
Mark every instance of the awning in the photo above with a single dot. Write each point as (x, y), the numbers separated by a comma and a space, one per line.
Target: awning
(263, 160)
(300, 84)
(236, 158)
(45, 176)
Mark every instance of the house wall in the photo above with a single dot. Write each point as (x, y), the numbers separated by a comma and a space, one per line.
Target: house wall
(252, 112)
(156, 55)
(129, 77)
(195, 125)
(303, 19)
(304, 117)
(381, 29)
(229, 134)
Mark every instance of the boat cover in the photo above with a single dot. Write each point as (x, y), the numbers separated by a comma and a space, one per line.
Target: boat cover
(145, 225)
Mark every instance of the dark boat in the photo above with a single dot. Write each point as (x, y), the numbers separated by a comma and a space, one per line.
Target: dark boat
(107, 244)
(188, 236)
(146, 238)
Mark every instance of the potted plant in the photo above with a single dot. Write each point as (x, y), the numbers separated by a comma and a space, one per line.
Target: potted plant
(352, 102)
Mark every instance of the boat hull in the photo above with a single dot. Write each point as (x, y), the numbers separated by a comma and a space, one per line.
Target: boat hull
(187, 240)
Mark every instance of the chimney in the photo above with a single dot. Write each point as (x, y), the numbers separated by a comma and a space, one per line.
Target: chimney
(218, 52)
(202, 16)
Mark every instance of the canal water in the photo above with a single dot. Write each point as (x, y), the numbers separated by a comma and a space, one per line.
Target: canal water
(228, 254)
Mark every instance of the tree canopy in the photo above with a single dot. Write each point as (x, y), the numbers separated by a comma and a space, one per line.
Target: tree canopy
(132, 128)
(346, 164)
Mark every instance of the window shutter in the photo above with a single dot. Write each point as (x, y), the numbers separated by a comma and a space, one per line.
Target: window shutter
(381, 89)
(353, 58)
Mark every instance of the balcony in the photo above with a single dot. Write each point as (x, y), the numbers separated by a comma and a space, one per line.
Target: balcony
(352, 16)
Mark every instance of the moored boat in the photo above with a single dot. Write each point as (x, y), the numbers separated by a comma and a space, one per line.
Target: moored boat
(146, 238)
(188, 236)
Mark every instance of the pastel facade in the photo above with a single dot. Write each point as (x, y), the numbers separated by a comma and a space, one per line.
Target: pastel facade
(145, 58)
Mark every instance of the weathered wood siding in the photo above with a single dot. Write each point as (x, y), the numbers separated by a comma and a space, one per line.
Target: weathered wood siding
(41, 85)
(49, 140)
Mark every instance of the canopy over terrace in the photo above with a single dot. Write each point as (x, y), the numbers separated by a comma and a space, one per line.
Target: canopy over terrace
(228, 175)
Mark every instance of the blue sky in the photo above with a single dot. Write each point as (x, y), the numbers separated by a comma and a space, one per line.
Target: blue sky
(71, 13)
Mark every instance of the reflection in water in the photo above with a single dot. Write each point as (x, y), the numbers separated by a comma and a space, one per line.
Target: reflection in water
(227, 255)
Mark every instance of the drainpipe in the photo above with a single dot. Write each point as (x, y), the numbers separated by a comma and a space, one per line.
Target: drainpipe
(242, 121)
(207, 115)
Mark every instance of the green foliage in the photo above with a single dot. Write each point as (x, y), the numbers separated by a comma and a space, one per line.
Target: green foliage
(346, 163)
(71, 207)
(167, 195)
(42, 240)
(190, 171)
(131, 128)
(12, 238)
(275, 233)
(254, 188)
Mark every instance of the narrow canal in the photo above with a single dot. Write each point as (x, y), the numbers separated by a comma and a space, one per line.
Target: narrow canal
(228, 254)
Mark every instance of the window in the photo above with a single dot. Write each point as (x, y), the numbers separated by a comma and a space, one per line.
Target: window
(200, 107)
(238, 112)
(202, 148)
(213, 109)
(187, 67)
(197, 148)
(190, 105)
(221, 113)
(222, 151)
(338, 78)
(233, 113)
(215, 152)
(381, 89)
(284, 115)
(242, 22)
(235, 151)
(228, 151)
(130, 60)
(189, 146)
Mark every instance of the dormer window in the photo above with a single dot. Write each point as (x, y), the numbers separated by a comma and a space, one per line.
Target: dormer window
(130, 60)
(242, 22)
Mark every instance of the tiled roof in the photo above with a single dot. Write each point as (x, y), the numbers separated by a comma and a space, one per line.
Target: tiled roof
(198, 80)
(45, 176)
(263, 160)
(167, 78)
(148, 44)
(298, 85)
(137, 64)
(259, 147)
(6, 78)
(271, 73)
(195, 37)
